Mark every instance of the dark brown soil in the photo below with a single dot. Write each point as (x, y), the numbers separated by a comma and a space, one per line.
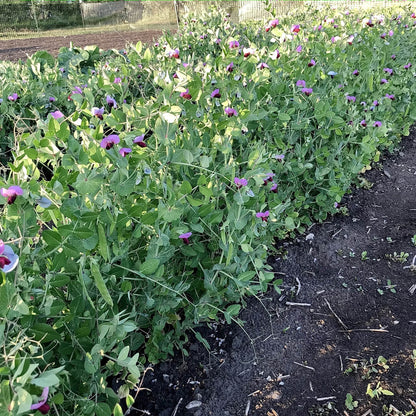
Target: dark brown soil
(303, 350)
(297, 360)
(13, 50)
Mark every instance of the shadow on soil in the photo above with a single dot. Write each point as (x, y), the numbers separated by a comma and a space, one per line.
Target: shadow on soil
(338, 339)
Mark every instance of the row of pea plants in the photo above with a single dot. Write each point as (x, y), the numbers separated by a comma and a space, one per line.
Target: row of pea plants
(142, 190)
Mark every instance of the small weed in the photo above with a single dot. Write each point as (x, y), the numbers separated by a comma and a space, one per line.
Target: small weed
(350, 403)
(389, 286)
(364, 256)
(413, 357)
(368, 368)
(389, 240)
(352, 253)
(392, 411)
(378, 391)
(398, 258)
(414, 240)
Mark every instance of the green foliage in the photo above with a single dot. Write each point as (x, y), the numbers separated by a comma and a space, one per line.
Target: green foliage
(122, 253)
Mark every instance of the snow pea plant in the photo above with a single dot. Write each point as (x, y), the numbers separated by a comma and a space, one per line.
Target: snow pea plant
(142, 190)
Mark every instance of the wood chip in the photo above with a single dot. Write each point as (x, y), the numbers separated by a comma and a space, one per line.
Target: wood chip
(297, 304)
(324, 399)
(304, 366)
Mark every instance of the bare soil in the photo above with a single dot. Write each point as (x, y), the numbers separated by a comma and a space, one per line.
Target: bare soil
(346, 300)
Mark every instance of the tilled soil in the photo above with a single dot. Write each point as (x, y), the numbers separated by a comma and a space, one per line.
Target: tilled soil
(344, 321)
(13, 50)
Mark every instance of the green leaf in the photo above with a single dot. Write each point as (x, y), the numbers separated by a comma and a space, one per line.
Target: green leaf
(149, 266)
(88, 183)
(7, 291)
(24, 400)
(45, 332)
(99, 282)
(102, 242)
(52, 238)
(123, 354)
(233, 310)
(102, 409)
(48, 378)
(289, 223)
(284, 117)
(117, 411)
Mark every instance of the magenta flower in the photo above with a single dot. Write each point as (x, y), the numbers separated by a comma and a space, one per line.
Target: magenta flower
(233, 44)
(185, 237)
(77, 90)
(273, 23)
(52, 99)
(299, 49)
(274, 188)
(186, 95)
(383, 81)
(390, 96)
(240, 182)
(124, 151)
(377, 124)
(388, 71)
(111, 102)
(42, 406)
(262, 65)
(11, 193)
(230, 111)
(109, 141)
(375, 103)
(230, 67)
(13, 97)
(307, 91)
(98, 112)
(301, 83)
(218, 41)
(140, 141)
(117, 80)
(355, 72)
(295, 28)
(363, 123)
(174, 54)
(263, 215)
(57, 115)
(391, 33)
(393, 57)
(269, 177)
(311, 63)
(407, 66)
(351, 98)
(175, 75)
(216, 93)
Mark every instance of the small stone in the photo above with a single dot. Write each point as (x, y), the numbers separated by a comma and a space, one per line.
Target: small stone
(310, 237)
(194, 404)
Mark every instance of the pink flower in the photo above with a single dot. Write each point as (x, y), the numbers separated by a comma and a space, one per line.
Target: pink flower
(117, 80)
(140, 141)
(185, 237)
(301, 83)
(311, 63)
(388, 71)
(216, 93)
(240, 182)
(230, 111)
(299, 49)
(109, 141)
(42, 406)
(13, 97)
(263, 215)
(390, 96)
(307, 91)
(363, 123)
(273, 23)
(391, 33)
(262, 65)
(295, 28)
(233, 44)
(124, 151)
(407, 66)
(351, 98)
(11, 193)
(186, 95)
(230, 67)
(377, 124)
(355, 72)
(57, 115)
(174, 54)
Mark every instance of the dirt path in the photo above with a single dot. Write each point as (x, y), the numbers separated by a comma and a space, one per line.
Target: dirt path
(346, 301)
(13, 50)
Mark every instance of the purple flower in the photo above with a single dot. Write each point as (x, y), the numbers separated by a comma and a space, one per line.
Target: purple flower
(383, 35)
(240, 182)
(57, 115)
(124, 151)
(111, 102)
(52, 99)
(299, 49)
(295, 28)
(8, 259)
(391, 33)
(279, 157)
(230, 111)
(407, 66)
(109, 141)
(336, 205)
(393, 57)
(377, 124)
(216, 93)
(351, 98)
(307, 91)
(274, 22)
(355, 72)
(263, 215)
(388, 71)
(383, 81)
(363, 103)
(186, 95)
(185, 237)
(262, 65)
(274, 188)
(301, 83)
(233, 44)
(140, 141)
(363, 123)
(390, 96)
(13, 97)
(230, 67)
(269, 177)
(42, 406)
(174, 54)
(117, 80)
(311, 63)
(98, 112)
(218, 41)
(375, 103)
(77, 90)
(11, 193)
